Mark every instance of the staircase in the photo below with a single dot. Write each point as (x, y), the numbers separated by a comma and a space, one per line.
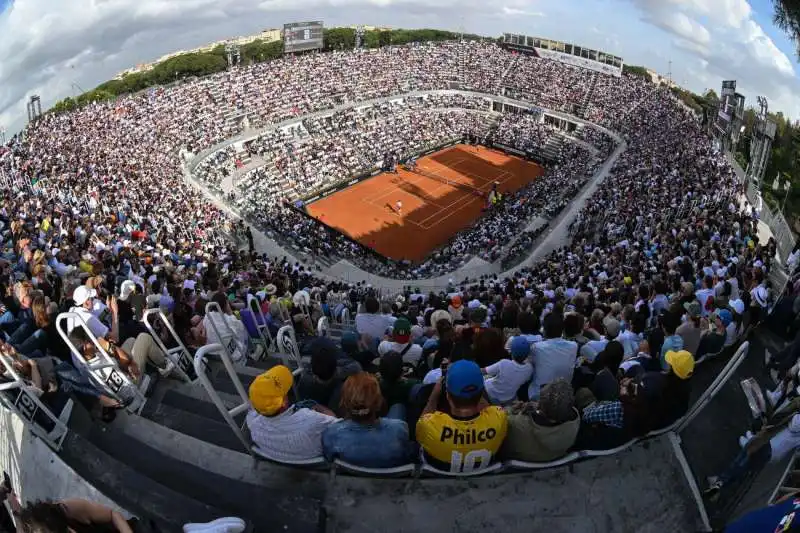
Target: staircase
(179, 461)
(584, 105)
(500, 84)
(552, 148)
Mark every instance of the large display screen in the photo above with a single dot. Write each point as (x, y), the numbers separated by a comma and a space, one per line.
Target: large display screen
(302, 36)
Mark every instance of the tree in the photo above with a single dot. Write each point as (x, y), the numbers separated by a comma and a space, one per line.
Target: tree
(635, 70)
(787, 18)
(260, 50)
(339, 39)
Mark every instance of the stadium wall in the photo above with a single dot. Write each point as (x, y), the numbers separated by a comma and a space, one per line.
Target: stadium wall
(36, 471)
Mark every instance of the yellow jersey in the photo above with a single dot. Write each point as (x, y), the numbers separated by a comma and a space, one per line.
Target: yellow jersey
(462, 445)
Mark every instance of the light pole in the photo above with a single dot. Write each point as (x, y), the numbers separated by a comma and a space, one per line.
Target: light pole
(787, 185)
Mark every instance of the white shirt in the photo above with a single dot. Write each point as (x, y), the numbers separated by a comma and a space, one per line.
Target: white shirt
(412, 355)
(293, 435)
(505, 377)
(702, 296)
(590, 350)
(432, 376)
(97, 328)
(373, 325)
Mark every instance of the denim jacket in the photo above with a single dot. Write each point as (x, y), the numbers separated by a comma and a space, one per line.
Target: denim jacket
(384, 444)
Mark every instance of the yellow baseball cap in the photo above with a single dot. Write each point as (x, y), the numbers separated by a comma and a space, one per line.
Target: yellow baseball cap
(682, 363)
(628, 280)
(268, 391)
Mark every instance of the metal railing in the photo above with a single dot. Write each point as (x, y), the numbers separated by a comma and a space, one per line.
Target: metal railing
(26, 404)
(228, 340)
(179, 355)
(103, 369)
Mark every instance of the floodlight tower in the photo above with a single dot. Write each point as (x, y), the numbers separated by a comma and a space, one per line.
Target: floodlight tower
(359, 37)
(34, 108)
(233, 53)
(761, 143)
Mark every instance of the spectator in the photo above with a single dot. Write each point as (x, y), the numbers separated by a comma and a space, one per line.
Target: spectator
(505, 377)
(371, 322)
(329, 368)
(528, 324)
(280, 430)
(71, 515)
(401, 343)
(713, 340)
(396, 388)
(468, 437)
(690, 331)
(456, 309)
(545, 430)
(364, 438)
(552, 358)
(672, 341)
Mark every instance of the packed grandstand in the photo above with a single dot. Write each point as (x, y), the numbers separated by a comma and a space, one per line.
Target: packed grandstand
(589, 347)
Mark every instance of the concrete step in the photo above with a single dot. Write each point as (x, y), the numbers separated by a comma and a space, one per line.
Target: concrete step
(224, 495)
(131, 488)
(200, 420)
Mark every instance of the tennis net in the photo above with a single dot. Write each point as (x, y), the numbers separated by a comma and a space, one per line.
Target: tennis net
(451, 183)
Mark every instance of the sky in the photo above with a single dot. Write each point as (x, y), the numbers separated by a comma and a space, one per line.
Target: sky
(61, 48)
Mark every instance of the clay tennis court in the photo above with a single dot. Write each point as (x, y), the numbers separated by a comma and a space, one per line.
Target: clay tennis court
(432, 211)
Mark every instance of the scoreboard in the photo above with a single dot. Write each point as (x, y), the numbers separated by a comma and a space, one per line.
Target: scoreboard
(302, 36)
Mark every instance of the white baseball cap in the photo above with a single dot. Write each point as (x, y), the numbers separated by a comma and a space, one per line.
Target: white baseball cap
(83, 293)
(126, 289)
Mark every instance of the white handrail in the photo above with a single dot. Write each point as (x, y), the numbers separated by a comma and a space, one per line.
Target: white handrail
(287, 343)
(103, 369)
(228, 414)
(27, 403)
(230, 346)
(260, 319)
(179, 355)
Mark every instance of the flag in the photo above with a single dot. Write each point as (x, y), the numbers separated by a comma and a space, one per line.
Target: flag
(776, 184)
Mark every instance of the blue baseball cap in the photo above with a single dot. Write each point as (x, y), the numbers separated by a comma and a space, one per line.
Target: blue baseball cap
(464, 379)
(725, 316)
(520, 347)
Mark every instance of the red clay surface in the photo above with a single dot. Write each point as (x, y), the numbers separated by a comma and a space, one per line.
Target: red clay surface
(432, 212)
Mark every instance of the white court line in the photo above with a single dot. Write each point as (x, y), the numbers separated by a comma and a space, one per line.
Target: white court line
(390, 191)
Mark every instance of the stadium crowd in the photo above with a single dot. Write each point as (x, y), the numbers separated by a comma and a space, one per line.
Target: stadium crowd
(590, 347)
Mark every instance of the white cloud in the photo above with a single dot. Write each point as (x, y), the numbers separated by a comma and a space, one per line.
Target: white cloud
(515, 11)
(732, 45)
(51, 48)
(732, 13)
(685, 27)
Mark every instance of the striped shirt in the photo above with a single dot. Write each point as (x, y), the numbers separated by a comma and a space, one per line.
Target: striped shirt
(294, 435)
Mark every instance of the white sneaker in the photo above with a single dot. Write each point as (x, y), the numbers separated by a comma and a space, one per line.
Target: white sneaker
(167, 370)
(775, 395)
(227, 524)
